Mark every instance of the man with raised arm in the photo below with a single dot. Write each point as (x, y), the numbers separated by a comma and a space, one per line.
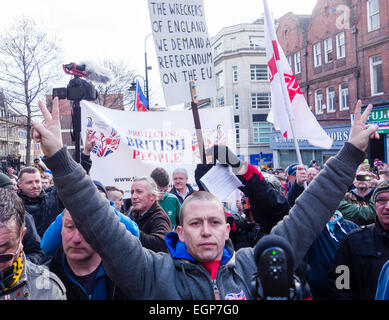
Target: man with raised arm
(201, 264)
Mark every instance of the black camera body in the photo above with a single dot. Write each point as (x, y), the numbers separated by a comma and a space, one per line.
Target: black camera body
(77, 89)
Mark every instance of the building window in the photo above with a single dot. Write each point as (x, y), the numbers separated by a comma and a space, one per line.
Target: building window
(340, 45)
(236, 101)
(237, 129)
(289, 58)
(219, 79)
(328, 52)
(261, 100)
(373, 15)
(262, 131)
(319, 101)
(218, 49)
(233, 44)
(297, 63)
(343, 96)
(235, 74)
(331, 99)
(317, 54)
(256, 43)
(376, 75)
(220, 102)
(258, 72)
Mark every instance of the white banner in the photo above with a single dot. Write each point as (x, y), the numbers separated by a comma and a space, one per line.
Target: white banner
(132, 144)
(183, 49)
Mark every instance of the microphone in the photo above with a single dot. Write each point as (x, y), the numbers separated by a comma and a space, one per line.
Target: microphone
(275, 262)
(89, 70)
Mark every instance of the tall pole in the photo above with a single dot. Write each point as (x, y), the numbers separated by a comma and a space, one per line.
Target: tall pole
(146, 71)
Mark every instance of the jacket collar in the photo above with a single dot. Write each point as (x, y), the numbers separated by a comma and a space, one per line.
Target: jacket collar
(136, 216)
(27, 198)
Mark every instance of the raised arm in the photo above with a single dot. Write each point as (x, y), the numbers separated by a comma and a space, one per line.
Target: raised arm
(319, 201)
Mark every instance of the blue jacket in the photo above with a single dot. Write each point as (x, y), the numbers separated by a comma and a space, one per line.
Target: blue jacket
(383, 284)
(321, 255)
(52, 238)
(103, 287)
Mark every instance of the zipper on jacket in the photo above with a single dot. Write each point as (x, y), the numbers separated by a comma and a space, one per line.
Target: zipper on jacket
(215, 290)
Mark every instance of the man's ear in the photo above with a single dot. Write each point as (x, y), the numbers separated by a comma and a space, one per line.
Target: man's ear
(180, 232)
(228, 230)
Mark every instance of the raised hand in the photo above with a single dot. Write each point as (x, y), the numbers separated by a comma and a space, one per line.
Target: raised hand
(90, 143)
(301, 175)
(361, 133)
(48, 134)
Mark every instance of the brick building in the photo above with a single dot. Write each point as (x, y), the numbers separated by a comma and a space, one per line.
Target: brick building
(339, 55)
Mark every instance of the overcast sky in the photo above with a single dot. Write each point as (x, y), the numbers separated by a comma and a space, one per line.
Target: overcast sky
(116, 29)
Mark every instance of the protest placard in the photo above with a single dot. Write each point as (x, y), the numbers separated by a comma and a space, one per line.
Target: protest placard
(132, 144)
(183, 49)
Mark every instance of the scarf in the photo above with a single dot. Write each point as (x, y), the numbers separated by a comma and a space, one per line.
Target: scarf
(11, 276)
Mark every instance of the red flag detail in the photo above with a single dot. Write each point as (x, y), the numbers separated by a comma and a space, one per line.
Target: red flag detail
(292, 86)
(275, 48)
(273, 68)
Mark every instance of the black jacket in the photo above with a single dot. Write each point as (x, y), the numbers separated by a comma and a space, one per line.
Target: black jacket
(267, 205)
(364, 251)
(32, 241)
(43, 208)
(295, 191)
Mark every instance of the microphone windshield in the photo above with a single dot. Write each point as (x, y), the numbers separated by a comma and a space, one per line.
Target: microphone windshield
(97, 73)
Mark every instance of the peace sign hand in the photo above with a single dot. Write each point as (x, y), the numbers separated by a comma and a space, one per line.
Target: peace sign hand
(361, 133)
(48, 134)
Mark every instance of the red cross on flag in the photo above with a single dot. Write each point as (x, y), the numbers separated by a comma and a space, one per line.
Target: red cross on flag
(289, 112)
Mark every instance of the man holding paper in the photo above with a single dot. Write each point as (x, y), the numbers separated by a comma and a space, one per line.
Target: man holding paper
(201, 264)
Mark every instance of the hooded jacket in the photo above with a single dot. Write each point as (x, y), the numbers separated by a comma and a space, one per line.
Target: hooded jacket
(144, 274)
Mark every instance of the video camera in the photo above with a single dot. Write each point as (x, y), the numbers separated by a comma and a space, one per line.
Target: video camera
(77, 89)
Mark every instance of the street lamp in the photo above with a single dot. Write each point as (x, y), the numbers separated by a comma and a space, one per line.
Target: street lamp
(147, 68)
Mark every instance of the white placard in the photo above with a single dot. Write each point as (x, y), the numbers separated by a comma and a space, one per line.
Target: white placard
(183, 49)
(220, 181)
(132, 144)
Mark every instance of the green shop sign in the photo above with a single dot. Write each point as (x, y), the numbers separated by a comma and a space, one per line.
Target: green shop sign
(379, 117)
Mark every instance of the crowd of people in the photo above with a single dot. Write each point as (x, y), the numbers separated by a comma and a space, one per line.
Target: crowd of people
(64, 235)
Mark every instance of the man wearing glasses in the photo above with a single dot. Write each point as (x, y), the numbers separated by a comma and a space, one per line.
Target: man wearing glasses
(364, 251)
(20, 279)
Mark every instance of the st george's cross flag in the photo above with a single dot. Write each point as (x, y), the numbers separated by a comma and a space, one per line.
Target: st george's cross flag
(289, 108)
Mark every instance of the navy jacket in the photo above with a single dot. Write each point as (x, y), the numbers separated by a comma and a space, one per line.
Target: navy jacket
(321, 255)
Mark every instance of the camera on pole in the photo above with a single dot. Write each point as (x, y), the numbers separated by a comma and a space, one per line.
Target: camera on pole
(79, 89)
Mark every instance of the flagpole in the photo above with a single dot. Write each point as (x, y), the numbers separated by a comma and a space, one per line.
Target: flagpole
(285, 94)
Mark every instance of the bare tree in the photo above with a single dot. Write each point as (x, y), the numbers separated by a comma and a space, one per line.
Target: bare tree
(112, 93)
(29, 61)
